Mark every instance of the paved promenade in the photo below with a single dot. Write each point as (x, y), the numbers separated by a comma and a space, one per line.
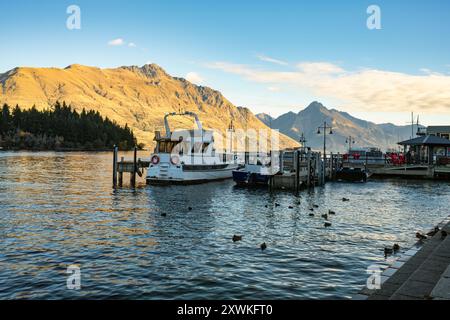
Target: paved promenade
(420, 274)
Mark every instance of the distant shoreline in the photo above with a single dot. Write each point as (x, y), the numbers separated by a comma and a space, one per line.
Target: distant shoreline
(65, 150)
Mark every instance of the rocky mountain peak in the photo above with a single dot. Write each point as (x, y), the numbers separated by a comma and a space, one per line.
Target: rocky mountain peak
(315, 107)
(132, 95)
(309, 119)
(153, 71)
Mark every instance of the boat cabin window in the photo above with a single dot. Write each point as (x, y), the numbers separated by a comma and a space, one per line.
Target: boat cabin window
(199, 147)
(166, 146)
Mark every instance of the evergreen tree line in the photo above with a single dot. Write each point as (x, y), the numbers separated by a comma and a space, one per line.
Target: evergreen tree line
(61, 128)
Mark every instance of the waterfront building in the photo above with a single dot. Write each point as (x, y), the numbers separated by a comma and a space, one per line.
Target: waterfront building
(427, 149)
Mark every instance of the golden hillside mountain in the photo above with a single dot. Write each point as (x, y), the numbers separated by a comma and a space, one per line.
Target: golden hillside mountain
(136, 96)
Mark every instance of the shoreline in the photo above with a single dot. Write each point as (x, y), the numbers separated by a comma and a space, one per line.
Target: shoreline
(419, 273)
(69, 150)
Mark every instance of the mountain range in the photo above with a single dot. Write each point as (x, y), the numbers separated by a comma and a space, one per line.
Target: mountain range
(137, 96)
(363, 133)
(141, 96)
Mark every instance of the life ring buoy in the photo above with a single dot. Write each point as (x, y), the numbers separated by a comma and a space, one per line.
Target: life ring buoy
(155, 159)
(175, 160)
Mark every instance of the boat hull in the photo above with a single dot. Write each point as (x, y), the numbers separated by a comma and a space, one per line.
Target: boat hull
(352, 175)
(245, 178)
(190, 174)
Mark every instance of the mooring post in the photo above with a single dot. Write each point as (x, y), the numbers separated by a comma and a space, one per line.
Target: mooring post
(115, 153)
(319, 168)
(365, 165)
(121, 172)
(331, 166)
(281, 161)
(308, 159)
(133, 174)
(297, 170)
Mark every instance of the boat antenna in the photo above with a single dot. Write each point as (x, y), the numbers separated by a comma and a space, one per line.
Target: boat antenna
(412, 125)
(417, 123)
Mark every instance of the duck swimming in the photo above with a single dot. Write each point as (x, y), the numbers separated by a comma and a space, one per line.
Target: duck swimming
(420, 236)
(433, 232)
(236, 238)
(388, 251)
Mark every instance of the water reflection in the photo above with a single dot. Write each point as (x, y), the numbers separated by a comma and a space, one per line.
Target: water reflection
(59, 209)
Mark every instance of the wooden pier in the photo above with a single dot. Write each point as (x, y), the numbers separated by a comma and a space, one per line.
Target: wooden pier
(304, 169)
(133, 167)
(413, 171)
(298, 169)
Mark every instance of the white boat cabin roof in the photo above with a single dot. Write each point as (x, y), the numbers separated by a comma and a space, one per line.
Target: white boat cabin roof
(193, 135)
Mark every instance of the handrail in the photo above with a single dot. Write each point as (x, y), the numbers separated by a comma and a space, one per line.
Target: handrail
(186, 113)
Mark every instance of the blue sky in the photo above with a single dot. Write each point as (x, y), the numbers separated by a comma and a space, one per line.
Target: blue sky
(271, 56)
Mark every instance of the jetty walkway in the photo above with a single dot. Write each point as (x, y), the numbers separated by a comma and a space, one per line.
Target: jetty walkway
(421, 274)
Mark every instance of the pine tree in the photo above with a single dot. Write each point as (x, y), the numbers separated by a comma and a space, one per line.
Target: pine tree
(61, 127)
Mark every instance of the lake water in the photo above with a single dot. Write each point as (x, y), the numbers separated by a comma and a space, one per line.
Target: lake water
(58, 209)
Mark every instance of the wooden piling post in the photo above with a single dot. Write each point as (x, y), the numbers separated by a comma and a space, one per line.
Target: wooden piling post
(281, 161)
(115, 153)
(365, 164)
(331, 166)
(133, 174)
(297, 170)
(121, 173)
(308, 159)
(319, 169)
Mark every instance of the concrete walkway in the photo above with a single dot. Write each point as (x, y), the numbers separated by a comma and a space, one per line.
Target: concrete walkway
(424, 275)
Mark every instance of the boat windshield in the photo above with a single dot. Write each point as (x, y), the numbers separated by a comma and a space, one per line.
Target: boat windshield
(166, 146)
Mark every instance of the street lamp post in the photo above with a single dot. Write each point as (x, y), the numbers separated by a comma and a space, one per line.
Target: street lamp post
(350, 140)
(325, 127)
(302, 142)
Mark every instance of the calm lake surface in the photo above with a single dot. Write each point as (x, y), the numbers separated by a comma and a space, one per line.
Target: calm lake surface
(58, 209)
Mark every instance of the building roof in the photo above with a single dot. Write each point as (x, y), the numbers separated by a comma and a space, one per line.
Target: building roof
(439, 128)
(428, 140)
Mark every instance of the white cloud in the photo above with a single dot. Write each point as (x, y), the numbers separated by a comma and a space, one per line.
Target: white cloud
(273, 89)
(116, 42)
(319, 68)
(358, 90)
(271, 60)
(430, 72)
(132, 45)
(194, 77)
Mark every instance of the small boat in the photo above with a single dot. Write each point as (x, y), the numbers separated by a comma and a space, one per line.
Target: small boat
(254, 174)
(188, 156)
(352, 174)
